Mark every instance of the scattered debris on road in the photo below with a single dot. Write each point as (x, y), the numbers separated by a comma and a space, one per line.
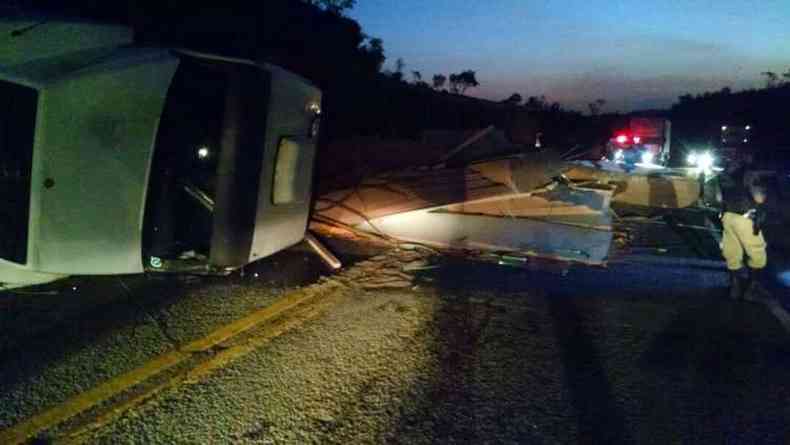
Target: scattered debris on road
(391, 270)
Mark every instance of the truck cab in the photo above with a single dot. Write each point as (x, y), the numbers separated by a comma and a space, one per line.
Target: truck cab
(643, 141)
(117, 159)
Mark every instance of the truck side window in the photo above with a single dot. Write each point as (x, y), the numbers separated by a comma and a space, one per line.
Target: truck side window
(18, 106)
(288, 189)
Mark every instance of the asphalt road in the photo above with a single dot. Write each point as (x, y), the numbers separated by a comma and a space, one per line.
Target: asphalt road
(644, 351)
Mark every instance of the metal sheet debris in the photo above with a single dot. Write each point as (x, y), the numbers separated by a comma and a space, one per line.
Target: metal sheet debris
(643, 186)
(516, 205)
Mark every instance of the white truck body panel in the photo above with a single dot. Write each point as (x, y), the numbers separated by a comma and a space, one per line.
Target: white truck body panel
(98, 113)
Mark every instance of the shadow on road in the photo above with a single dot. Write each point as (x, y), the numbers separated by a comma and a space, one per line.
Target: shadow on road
(600, 418)
(723, 366)
(466, 342)
(644, 354)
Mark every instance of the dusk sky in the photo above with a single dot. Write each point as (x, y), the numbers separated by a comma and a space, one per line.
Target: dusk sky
(635, 54)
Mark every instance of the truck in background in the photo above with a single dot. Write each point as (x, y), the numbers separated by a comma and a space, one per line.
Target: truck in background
(723, 143)
(640, 140)
(734, 141)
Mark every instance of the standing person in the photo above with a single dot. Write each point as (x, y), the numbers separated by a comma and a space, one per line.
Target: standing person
(742, 219)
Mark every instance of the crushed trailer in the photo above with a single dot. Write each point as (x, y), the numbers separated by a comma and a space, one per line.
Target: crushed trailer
(518, 205)
(527, 204)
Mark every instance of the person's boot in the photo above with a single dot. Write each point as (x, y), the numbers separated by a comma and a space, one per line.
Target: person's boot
(736, 284)
(754, 290)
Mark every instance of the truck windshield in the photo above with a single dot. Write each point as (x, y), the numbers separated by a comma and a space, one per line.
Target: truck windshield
(17, 126)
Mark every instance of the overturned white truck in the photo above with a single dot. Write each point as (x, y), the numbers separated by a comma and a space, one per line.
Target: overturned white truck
(116, 159)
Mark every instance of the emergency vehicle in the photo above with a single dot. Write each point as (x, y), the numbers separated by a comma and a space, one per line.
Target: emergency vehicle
(641, 140)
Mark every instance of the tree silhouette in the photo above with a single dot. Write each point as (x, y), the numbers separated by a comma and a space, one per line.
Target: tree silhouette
(686, 98)
(373, 51)
(514, 99)
(697, 118)
(398, 73)
(596, 106)
(335, 6)
(399, 65)
(417, 80)
(536, 103)
(462, 81)
(455, 85)
(771, 78)
(439, 80)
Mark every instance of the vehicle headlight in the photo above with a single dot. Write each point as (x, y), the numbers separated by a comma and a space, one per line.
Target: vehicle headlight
(691, 159)
(203, 152)
(647, 157)
(705, 160)
(619, 154)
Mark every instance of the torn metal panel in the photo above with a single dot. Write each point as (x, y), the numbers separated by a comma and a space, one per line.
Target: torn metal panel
(505, 205)
(418, 189)
(558, 204)
(530, 225)
(646, 187)
(430, 188)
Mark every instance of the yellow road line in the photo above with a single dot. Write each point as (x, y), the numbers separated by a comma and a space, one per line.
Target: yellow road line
(83, 433)
(51, 417)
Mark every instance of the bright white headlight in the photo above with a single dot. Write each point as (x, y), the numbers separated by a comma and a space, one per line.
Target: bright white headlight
(618, 154)
(647, 157)
(691, 159)
(203, 152)
(705, 160)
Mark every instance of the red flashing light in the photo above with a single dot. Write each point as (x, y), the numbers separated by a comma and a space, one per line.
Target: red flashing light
(622, 139)
(637, 139)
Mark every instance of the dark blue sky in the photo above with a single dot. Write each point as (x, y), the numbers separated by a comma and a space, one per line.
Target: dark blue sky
(634, 54)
